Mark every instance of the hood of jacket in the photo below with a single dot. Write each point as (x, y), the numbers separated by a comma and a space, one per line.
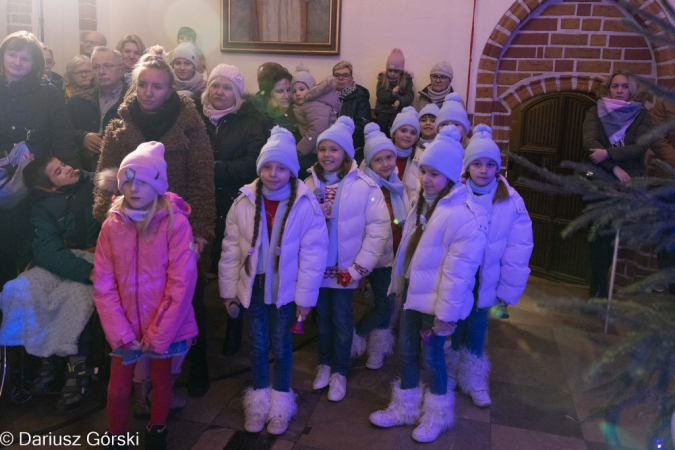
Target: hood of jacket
(324, 92)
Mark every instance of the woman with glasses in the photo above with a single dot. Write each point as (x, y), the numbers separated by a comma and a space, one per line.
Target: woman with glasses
(78, 75)
(355, 100)
(441, 79)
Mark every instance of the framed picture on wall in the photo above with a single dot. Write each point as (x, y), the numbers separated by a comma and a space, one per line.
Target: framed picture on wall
(281, 26)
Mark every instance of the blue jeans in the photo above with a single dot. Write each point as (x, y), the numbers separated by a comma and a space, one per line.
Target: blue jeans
(269, 323)
(335, 320)
(470, 332)
(380, 316)
(409, 341)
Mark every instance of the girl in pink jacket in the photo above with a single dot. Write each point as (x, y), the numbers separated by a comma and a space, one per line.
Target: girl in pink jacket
(145, 272)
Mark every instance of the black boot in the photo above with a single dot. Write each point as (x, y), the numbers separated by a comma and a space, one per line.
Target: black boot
(50, 376)
(77, 387)
(233, 332)
(155, 437)
(198, 384)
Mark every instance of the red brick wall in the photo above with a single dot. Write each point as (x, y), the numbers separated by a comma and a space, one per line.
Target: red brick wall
(19, 15)
(87, 9)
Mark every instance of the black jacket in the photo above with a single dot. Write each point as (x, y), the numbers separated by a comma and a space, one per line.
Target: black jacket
(85, 114)
(236, 143)
(357, 106)
(287, 120)
(38, 106)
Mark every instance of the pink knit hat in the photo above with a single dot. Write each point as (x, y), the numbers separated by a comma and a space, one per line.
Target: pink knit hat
(146, 164)
(396, 60)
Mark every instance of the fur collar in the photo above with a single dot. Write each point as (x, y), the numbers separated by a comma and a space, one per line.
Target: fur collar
(321, 89)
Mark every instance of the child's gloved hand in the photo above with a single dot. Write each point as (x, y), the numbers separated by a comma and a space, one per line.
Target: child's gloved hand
(442, 328)
(233, 307)
(344, 278)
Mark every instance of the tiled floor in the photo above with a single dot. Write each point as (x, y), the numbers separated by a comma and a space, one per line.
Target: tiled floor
(539, 392)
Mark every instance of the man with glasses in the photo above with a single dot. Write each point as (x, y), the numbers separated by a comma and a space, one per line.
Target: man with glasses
(355, 100)
(91, 39)
(91, 111)
(440, 86)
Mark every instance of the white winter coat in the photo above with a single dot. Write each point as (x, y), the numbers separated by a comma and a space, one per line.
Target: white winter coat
(412, 175)
(363, 224)
(504, 271)
(303, 250)
(444, 266)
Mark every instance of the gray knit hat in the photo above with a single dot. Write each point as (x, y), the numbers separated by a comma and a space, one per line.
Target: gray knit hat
(442, 68)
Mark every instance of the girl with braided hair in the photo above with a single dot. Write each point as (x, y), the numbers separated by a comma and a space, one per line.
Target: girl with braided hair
(272, 259)
(433, 274)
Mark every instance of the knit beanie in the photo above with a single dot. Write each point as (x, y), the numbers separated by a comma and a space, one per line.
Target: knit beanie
(431, 109)
(407, 116)
(302, 75)
(146, 164)
(185, 50)
(232, 73)
(341, 133)
(481, 145)
(452, 109)
(280, 147)
(442, 68)
(445, 153)
(396, 60)
(376, 141)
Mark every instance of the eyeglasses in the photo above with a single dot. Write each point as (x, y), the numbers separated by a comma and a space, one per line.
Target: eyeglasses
(342, 76)
(79, 73)
(440, 77)
(92, 43)
(106, 67)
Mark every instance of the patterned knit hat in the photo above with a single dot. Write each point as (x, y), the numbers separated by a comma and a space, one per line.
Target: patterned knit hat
(445, 153)
(452, 109)
(341, 133)
(232, 73)
(146, 164)
(376, 141)
(481, 145)
(302, 75)
(280, 147)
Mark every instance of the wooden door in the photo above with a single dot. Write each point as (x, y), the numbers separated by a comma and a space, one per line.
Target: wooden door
(548, 130)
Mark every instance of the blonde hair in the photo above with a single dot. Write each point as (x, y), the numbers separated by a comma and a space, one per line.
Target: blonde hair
(402, 80)
(134, 40)
(72, 65)
(604, 89)
(161, 202)
(154, 58)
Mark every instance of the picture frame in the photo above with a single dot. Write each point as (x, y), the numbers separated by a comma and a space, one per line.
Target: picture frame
(309, 27)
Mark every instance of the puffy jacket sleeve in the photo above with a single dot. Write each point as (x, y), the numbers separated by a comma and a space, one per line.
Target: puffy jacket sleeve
(384, 96)
(664, 145)
(181, 278)
(201, 191)
(118, 330)
(514, 268)
(375, 237)
(231, 257)
(49, 252)
(459, 271)
(634, 150)
(318, 115)
(312, 257)
(111, 156)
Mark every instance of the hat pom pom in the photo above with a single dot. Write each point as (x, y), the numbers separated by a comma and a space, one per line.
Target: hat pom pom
(106, 180)
(347, 122)
(483, 131)
(301, 68)
(278, 130)
(450, 131)
(408, 110)
(453, 97)
(371, 130)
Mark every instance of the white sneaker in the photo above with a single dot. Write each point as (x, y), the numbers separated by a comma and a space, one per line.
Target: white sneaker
(282, 410)
(437, 415)
(375, 360)
(322, 377)
(338, 387)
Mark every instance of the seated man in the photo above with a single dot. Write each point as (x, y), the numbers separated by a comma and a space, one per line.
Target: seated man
(63, 221)
(91, 111)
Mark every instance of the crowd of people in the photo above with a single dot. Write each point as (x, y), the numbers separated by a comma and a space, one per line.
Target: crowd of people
(147, 171)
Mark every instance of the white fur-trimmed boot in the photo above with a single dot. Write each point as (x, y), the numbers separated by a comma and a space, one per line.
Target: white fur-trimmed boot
(452, 362)
(473, 378)
(404, 408)
(256, 409)
(358, 345)
(380, 344)
(282, 410)
(438, 414)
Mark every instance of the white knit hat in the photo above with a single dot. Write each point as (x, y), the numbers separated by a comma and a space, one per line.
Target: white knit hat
(341, 133)
(431, 109)
(445, 153)
(146, 164)
(442, 68)
(376, 141)
(407, 116)
(232, 73)
(280, 147)
(185, 50)
(302, 75)
(481, 145)
(452, 109)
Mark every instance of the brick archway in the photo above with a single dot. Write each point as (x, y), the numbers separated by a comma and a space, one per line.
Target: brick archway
(557, 36)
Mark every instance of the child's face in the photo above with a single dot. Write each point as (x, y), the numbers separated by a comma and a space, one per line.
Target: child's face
(138, 194)
(49, 61)
(280, 97)
(427, 130)
(274, 175)
(393, 75)
(432, 180)
(330, 155)
(483, 170)
(61, 174)
(383, 163)
(405, 137)
(299, 91)
(459, 126)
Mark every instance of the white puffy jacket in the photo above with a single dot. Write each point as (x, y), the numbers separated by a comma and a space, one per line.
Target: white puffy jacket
(412, 175)
(504, 271)
(303, 250)
(363, 224)
(444, 265)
